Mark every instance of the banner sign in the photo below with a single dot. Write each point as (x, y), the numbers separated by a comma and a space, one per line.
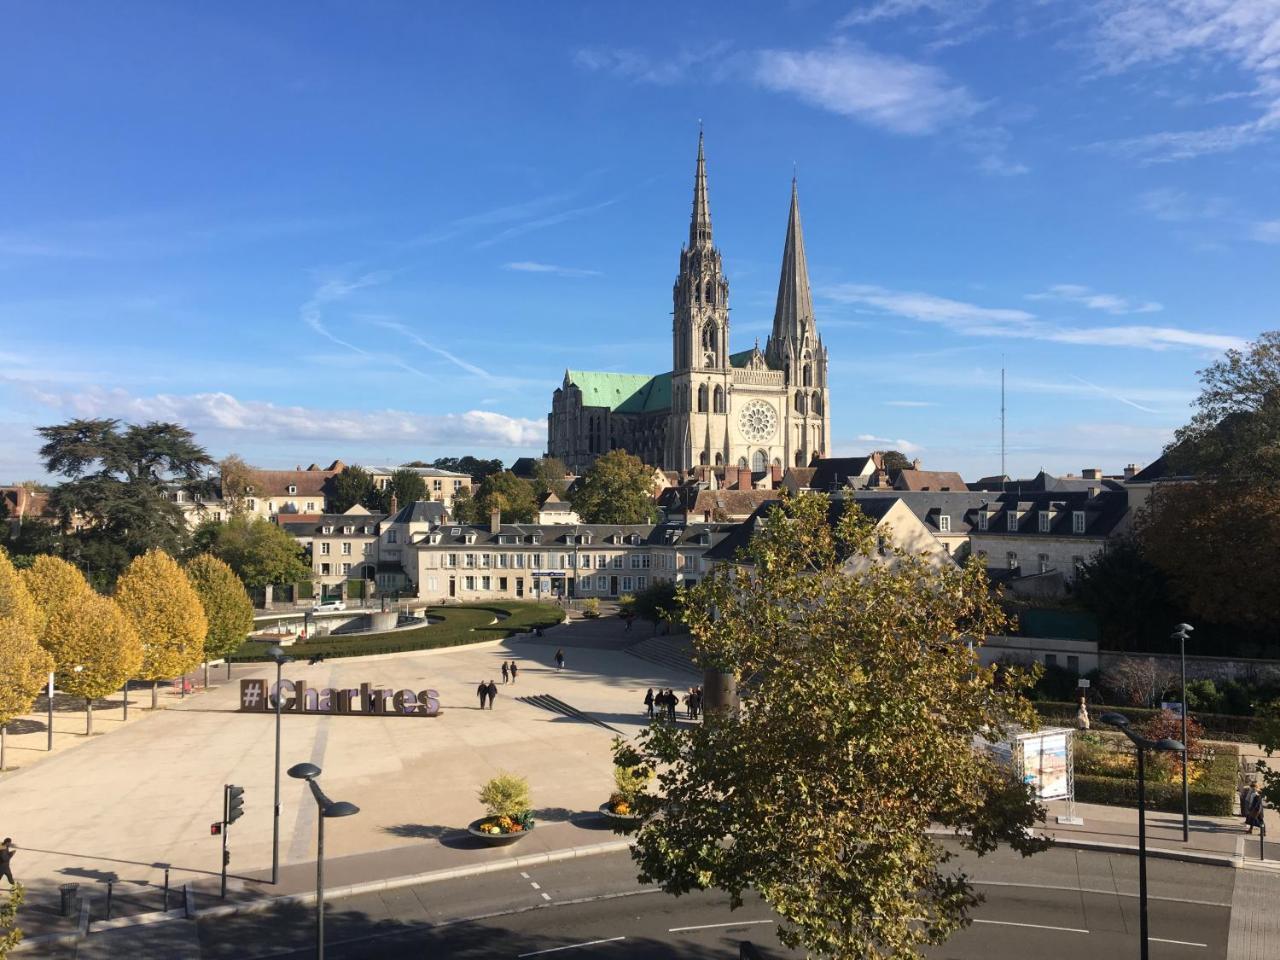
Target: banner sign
(296, 697)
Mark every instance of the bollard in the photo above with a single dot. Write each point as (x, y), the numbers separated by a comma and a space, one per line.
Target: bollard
(1262, 838)
(166, 889)
(68, 898)
(109, 886)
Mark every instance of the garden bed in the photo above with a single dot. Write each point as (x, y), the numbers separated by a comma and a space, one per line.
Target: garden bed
(1106, 773)
(449, 626)
(1217, 726)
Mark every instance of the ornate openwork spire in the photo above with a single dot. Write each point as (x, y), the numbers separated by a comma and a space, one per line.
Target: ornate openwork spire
(795, 302)
(700, 224)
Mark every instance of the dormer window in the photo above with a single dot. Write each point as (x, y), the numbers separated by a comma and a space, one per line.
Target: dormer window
(635, 539)
(1046, 520)
(1011, 520)
(348, 530)
(391, 536)
(1077, 521)
(249, 489)
(470, 538)
(984, 519)
(293, 488)
(326, 530)
(179, 497)
(435, 538)
(456, 531)
(944, 523)
(586, 538)
(536, 538)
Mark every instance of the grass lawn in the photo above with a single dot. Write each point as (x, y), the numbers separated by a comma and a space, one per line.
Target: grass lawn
(461, 624)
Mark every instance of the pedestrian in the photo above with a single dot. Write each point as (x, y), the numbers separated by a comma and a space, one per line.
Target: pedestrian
(6, 857)
(506, 672)
(492, 692)
(482, 691)
(630, 617)
(559, 659)
(688, 705)
(1254, 819)
(1246, 798)
(696, 704)
(671, 704)
(514, 671)
(648, 702)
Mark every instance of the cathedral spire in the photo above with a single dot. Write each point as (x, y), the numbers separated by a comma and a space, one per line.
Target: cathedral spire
(700, 224)
(795, 302)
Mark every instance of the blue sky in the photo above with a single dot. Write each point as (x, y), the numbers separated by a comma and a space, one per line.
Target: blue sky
(380, 231)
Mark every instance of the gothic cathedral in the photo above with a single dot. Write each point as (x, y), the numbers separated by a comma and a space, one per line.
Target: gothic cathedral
(715, 408)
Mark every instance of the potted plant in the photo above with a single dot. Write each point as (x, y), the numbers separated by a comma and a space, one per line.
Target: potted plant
(591, 608)
(630, 777)
(506, 800)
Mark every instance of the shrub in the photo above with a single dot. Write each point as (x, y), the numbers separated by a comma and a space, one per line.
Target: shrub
(627, 604)
(591, 607)
(506, 795)
(1214, 794)
(1217, 726)
(629, 782)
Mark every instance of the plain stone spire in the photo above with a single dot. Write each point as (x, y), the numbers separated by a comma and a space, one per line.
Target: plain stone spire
(700, 224)
(795, 302)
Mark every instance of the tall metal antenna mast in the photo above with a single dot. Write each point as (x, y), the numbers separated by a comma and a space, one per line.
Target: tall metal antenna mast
(1003, 473)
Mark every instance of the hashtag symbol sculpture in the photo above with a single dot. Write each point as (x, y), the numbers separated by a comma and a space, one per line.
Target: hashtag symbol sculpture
(251, 695)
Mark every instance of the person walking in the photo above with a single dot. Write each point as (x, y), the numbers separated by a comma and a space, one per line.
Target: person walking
(492, 692)
(506, 672)
(514, 670)
(671, 704)
(482, 691)
(7, 852)
(559, 659)
(1254, 816)
(648, 702)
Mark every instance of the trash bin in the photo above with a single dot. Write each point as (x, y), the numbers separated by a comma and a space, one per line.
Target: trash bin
(68, 891)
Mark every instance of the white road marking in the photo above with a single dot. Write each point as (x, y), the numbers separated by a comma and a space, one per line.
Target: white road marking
(523, 874)
(1181, 943)
(546, 896)
(709, 926)
(572, 946)
(534, 884)
(1105, 893)
(1033, 926)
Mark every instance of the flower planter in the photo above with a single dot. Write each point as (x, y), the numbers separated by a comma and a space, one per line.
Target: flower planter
(494, 839)
(621, 819)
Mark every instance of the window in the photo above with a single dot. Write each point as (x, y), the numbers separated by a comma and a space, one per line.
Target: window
(501, 559)
(324, 549)
(457, 485)
(346, 568)
(1046, 521)
(1073, 663)
(324, 569)
(759, 461)
(179, 497)
(982, 519)
(469, 560)
(1077, 521)
(702, 398)
(644, 562)
(1044, 562)
(292, 489)
(217, 516)
(944, 523)
(469, 583)
(1050, 659)
(346, 549)
(367, 549)
(502, 584)
(311, 506)
(628, 584)
(617, 562)
(484, 583)
(519, 560)
(484, 559)
(719, 400)
(635, 561)
(451, 560)
(1011, 520)
(1011, 559)
(391, 536)
(601, 561)
(326, 530)
(535, 560)
(602, 584)
(348, 530)
(642, 582)
(437, 486)
(251, 504)
(564, 560)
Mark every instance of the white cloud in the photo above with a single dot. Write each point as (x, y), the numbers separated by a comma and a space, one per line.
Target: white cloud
(1178, 206)
(258, 420)
(878, 89)
(530, 266)
(999, 166)
(970, 319)
(1106, 302)
(640, 67)
(902, 446)
(950, 13)
(1267, 231)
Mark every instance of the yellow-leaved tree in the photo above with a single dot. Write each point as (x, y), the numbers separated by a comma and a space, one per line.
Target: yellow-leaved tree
(227, 607)
(24, 666)
(165, 609)
(95, 648)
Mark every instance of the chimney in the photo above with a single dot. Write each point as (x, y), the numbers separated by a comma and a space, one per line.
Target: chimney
(395, 504)
(1094, 491)
(744, 478)
(915, 464)
(1130, 470)
(495, 521)
(1091, 473)
(775, 474)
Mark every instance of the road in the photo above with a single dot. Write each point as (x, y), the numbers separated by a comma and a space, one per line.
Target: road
(1061, 904)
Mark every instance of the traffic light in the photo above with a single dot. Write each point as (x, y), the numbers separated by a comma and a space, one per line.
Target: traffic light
(235, 803)
(215, 829)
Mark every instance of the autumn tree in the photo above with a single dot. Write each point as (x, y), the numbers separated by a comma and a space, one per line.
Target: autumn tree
(549, 475)
(227, 607)
(120, 479)
(235, 478)
(165, 610)
(506, 493)
(354, 484)
(24, 664)
(618, 488)
(10, 933)
(406, 486)
(94, 646)
(260, 552)
(857, 739)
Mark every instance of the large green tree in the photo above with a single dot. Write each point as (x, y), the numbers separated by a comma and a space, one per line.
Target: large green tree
(896, 460)
(406, 486)
(1128, 594)
(504, 492)
(549, 476)
(474, 467)
(119, 480)
(260, 552)
(618, 488)
(858, 739)
(227, 606)
(354, 484)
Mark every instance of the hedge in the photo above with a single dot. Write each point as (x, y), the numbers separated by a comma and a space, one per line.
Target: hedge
(1217, 726)
(460, 625)
(1213, 796)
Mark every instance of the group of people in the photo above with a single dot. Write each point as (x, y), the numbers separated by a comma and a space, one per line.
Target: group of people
(664, 703)
(487, 690)
(509, 671)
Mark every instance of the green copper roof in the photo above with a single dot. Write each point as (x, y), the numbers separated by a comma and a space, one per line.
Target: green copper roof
(623, 392)
(740, 358)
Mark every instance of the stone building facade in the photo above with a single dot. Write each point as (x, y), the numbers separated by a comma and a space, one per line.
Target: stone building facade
(755, 408)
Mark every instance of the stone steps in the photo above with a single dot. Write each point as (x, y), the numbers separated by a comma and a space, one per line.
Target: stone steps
(545, 701)
(674, 652)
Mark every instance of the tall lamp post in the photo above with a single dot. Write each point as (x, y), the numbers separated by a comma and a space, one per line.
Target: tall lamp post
(327, 808)
(1180, 633)
(277, 655)
(1121, 723)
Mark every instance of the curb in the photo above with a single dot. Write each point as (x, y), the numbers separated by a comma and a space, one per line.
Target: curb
(411, 880)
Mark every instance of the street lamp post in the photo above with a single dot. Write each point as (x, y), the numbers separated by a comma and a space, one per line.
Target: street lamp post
(327, 808)
(276, 654)
(1121, 723)
(1180, 633)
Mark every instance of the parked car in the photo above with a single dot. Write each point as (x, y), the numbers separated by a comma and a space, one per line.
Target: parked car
(328, 606)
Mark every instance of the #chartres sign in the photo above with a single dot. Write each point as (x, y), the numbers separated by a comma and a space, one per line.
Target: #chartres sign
(256, 696)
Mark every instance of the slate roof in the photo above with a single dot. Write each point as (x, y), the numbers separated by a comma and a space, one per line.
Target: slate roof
(737, 504)
(421, 511)
(623, 392)
(276, 483)
(740, 537)
(420, 471)
(554, 534)
(833, 472)
(313, 525)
